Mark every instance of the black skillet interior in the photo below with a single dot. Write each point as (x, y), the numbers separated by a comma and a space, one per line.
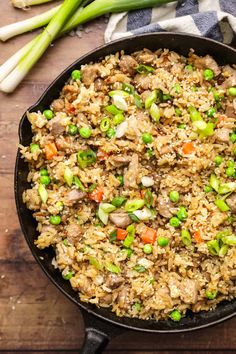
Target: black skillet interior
(180, 43)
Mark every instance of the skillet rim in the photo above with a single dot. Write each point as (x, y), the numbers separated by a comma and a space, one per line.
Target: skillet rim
(84, 306)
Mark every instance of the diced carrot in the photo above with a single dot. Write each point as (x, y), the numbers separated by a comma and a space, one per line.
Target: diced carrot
(149, 235)
(188, 148)
(102, 155)
(143, 191)
(69, 108)
(197, 236)
(96, 195)
(221, 120)
(50, 151)
(121, 234)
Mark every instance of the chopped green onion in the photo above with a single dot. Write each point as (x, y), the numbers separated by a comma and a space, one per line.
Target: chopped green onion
(76, 75)
(134, 204)
(221, 205)
(112, 268)
(118, 118)
(213, 247)
(229, 240)
(48, 114)
(166, 97)
(150, 99)
(138, 101)
(178, 112)
(59, 205)
(128, 88)
(78, 183)
(121, 179)
(177, 88)
(55, 219)
(211, 111)
(134, 217)
(214, 182)
(163, 241)
(218, 160)
(65, 242)
(232, 91)
(120, 102)
(208, 189)
(107, 207)
(208, 74)
(175, 316)
(194, 114)
(233, 137)
(72, 129)
(155, 112)
(144, 69)
(68, 176)
(103, 216)
(112, 236)
(118, 93)
(86, 158)
(223, 250)
(43, 193)
(129, 252)
(110, 133)
(112, 109)
(174, 196)
(118, 201)
(92, 187)
(230, 171)
(139, 268)
(181, 126)
(225, 188)
(137, 306)
(148, 198)
(105, 124)
(150, 153)
(211, 295)
(186, 237)
(93, 261)
(182, 213)
(68, 276)
(34, 148)
(130, 237)
(189, 67)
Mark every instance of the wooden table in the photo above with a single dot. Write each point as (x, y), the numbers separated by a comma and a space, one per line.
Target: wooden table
(34, 315)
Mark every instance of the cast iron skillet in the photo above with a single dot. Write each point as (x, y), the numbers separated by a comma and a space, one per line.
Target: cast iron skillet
(102, 323)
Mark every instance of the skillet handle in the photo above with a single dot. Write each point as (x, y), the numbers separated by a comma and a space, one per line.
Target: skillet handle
(98, 333)
(95, 341)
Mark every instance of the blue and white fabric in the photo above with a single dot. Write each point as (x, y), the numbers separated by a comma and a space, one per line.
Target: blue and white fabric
(214, 19)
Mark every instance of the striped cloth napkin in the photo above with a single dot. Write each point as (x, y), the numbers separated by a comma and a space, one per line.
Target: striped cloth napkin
(214, 19)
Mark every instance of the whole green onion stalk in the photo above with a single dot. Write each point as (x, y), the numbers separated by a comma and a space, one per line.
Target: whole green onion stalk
(21, 4)
(14, 29)
(42, 43)
(81, 16)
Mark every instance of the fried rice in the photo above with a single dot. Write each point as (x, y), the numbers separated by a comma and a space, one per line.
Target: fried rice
(132, 179)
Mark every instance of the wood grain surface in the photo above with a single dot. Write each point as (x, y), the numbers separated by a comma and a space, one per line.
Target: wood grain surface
(34, 316)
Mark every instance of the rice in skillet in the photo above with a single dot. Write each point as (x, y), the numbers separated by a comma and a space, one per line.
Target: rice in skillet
(133, 184)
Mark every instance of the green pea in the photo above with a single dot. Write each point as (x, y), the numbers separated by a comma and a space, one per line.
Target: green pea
(137, 306)
(232, 91)
(211, 295)
(147, 248)
(43, 172)
(34, 148)
(48, 114)
(218, 160)
(189, 67)
(85, 132)
(72, 129)
(233, 137)
(76, 74)
(110, 133)
(45, 180)
(178, 112)
(118, 118)
(55, 219)
(208, 74)
(211, 111)
(147, 138)
(208, 189)
(105, 124)
(182, 213)
(118, 201)
(175, 316)
(163, 241)
(174, 221)
(229, 171)
(174, 196)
